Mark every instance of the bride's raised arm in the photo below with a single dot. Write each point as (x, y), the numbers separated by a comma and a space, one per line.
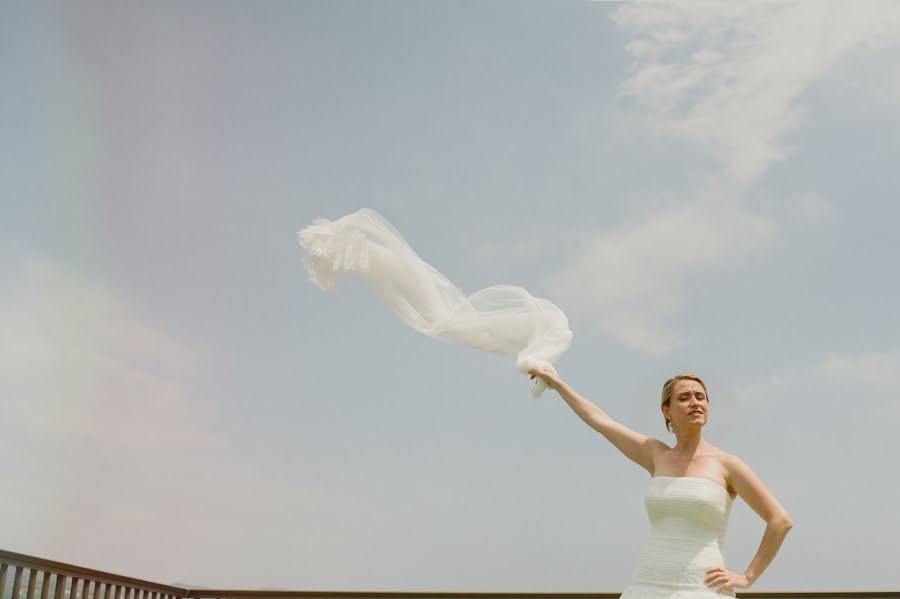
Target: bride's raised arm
(637, 447)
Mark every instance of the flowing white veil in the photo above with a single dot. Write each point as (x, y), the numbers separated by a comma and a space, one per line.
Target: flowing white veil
(502, 318)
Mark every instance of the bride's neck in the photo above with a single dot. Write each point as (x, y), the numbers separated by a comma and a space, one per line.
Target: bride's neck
(688, 446)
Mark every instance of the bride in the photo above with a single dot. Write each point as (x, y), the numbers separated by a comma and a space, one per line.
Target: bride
(689, 498)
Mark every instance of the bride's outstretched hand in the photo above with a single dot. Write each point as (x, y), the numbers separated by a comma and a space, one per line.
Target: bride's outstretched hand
(725, 579)
(549, 375)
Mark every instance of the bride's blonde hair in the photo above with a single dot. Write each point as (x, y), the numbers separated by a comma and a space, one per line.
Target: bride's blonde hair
(670, 385)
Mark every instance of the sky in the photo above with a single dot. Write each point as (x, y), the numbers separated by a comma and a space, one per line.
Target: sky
(705, 187)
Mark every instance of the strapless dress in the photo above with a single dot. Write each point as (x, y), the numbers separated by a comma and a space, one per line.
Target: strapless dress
(688, 517)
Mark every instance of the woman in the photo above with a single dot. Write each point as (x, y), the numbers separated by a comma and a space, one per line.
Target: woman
(692, 487)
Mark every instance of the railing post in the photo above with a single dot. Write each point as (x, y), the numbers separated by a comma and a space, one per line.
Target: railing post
(32, 580)
(45, 584)
(17, 582)
(3, 568)
(59, 590)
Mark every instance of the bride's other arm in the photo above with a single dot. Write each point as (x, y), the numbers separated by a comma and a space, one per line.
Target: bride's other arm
(761, 501)
(637, 447)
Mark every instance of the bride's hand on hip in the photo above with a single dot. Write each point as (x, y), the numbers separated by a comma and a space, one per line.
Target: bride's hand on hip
(549, 375)
(721, 578)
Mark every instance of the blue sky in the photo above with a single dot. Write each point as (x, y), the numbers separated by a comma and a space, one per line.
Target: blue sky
(700, 186)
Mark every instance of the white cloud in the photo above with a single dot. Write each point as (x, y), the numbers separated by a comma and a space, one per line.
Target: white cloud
(882, 369)
(632, 279)
(726, 76)
(114, 439)
(77, 361)
(734, 93)
(98, 409)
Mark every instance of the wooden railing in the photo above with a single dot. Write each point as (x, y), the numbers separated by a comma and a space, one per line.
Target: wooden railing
(75, 582)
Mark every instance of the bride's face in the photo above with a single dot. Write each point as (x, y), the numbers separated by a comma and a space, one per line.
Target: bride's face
(688, 397)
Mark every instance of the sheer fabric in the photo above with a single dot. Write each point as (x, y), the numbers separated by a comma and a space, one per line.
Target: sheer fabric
(502, 318)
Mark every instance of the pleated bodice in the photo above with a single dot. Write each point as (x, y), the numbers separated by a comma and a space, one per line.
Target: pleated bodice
(688, 517)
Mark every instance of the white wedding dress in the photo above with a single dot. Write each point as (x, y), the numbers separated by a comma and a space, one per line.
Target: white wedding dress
(688, 517)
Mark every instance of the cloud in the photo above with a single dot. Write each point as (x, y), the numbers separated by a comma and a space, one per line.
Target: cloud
(111, 436)
(77, 361)
(728, 78)
(632, 279)
(880, 369)
(727, 75)
(100, 409)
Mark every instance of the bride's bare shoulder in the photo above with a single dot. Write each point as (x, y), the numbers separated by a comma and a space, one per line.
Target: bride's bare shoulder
(727, 462)
(721, 456)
